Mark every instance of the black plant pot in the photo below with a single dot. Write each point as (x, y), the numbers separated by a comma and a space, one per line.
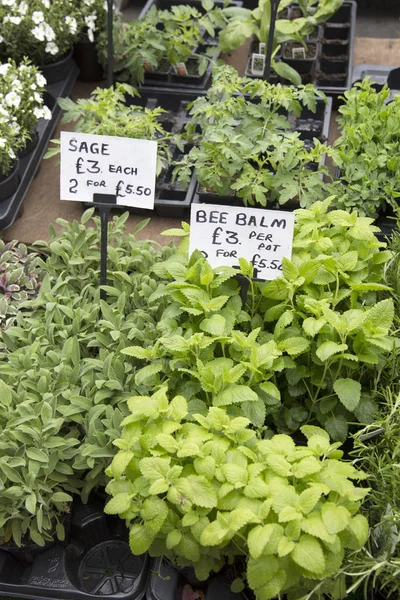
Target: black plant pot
(9, 184)
(30, 145)
(85, 56)
(57, 71)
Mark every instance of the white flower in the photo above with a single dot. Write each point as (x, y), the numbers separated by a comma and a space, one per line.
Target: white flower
(72, 24)
(37, 97)
(38, 112)
(46, 113)
(23, 8)
(33, 86)
(37, 17)
(11, 153)
(46, 3)
(8, 2)
(90, 21)
(3, 111)
(1, 39)
(15, 20)
(90, 35)
(40, 80)
(2, 142)
(88, 2)
(15, 128)
(38, 32)
(12, 99)
(49, 33)
(52, 48)
(4, 68)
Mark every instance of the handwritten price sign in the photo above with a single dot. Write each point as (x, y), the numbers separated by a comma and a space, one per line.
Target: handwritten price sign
(226, 233)
(101, 164)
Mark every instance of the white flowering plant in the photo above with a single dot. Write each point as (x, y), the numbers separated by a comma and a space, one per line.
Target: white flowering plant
(93, 17)
(21, 98)
(10, 144)
(42, 30)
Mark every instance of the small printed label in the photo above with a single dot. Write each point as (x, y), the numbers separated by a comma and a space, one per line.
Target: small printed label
(257, 64)
(262, 48)
(180, 69)
(99, 164)
(226, 233)
(298, 53)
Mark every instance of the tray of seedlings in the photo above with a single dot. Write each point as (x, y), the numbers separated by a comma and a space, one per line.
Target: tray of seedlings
(29, 161)
(173, 46)
(171, 199)
(324, 57)
(167, 4)
(257, 145)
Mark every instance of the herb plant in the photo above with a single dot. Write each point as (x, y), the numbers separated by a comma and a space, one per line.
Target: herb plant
(206, 491)
(244, 23)
(309, 347)
(106, 113)
(368, 150)
(162, 36)
(376, 449)
(245, 144)
(20, 277)
(64, 350)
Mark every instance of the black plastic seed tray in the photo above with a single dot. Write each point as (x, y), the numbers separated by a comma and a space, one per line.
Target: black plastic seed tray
(310, 125)
(380, 75)
(167, 583)
(328, 62)
(95, 561)
(167, 4)
(170, 199)
(11, 207)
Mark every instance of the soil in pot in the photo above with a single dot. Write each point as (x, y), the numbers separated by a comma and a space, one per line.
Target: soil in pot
(159, 72)
(313, 36)
(295, 13)
(58, 70)
(292, 51)
(9, 183)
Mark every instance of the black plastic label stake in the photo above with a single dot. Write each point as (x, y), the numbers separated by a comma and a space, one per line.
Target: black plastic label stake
(271, 33)
(110, 52)
(104, 202)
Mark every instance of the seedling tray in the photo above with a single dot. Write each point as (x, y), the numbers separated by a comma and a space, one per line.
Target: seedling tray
(29, 164)
(380, 75)
(310, 125)
(331, 70)
(167, 583)
(170, 199)
(95, 561)
(166, 4)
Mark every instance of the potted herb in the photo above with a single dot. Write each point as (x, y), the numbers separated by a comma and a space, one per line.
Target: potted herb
(164, 45)
(106, 112)
(245, 146)
(43, 31)
(22, 101)
(20, 276)
(367, 151)
(202, 490)
(294, 28)
(308, 347)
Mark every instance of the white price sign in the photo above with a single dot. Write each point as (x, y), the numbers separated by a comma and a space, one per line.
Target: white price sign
(102, 164)
(226, 233)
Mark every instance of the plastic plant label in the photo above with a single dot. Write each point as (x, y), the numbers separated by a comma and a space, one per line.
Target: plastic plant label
(298, 53)
(257, 64)
(261, 48)
(226, 233)
(180, 69)
(101, 164)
